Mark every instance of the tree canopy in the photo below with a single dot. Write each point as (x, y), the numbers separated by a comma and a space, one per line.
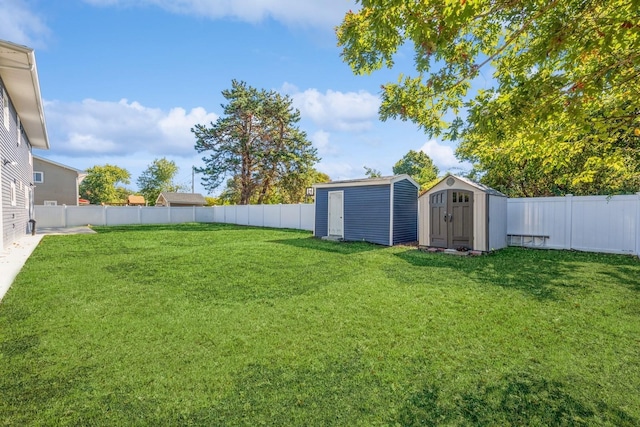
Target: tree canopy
(372, 172)
(562, 110)
(101, 184)
(255, 146)
(158, 177)
(419, 166)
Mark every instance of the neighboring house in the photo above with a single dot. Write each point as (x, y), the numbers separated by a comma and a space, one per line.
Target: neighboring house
(380, 210)
(55, 183)
(133, 200)
(22, 128)
(180, 199)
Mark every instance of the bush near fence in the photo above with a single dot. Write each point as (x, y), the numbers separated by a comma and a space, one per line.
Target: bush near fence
(587, 223)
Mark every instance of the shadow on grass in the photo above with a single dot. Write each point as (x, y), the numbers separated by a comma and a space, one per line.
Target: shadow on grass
(519, 399)
(344, 248)
(542, 274)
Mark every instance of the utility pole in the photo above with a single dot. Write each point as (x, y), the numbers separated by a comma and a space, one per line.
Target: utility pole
(193, 179)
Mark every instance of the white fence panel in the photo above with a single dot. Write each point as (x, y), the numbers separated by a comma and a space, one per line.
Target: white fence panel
(588, 223)
(121, 215)
(272, 216)
(218, 214)
(256, 215)
(230, 214)
(154, 215)
(290, 216)
(204, 214)
(242, 215)
(83, 215)
(307, 217)
(182, 214)
(540, 216)
(50, 216)
(604, 225)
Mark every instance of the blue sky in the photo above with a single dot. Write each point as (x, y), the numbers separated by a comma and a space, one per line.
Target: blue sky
(123, 81)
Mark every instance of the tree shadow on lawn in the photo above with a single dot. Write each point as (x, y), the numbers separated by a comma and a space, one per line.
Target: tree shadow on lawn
(542, 274)
(343, 248)
(517, 399)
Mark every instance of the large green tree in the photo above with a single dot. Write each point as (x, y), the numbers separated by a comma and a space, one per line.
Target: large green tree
(255, 144)
(290, 188)
(419, 166)
(101, 184)
(158, 177)
(561, 112)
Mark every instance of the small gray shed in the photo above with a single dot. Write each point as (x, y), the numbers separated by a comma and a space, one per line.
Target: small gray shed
(460, 213)
(380, 210)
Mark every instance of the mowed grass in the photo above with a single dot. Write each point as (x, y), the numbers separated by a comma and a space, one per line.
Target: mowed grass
(212, 324)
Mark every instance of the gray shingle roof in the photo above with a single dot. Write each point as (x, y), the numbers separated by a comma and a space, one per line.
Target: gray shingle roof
(183, 198)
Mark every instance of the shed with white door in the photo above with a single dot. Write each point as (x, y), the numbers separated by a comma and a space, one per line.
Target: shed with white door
(459, 213)
(381, 210)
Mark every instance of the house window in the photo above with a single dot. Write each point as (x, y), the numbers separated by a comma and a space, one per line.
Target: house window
(38, 177)
(18, 129)
(13, 194)
(51, 203)
(5, 108)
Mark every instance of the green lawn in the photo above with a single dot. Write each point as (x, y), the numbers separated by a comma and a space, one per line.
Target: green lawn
(212, 324)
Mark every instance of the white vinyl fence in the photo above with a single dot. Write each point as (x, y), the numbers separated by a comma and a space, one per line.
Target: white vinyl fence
(587, 223)
(278, 216)
(592, 223)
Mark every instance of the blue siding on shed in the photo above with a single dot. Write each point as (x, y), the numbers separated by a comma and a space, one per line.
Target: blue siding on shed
(367, 213)
(405, 212)
(321, 228)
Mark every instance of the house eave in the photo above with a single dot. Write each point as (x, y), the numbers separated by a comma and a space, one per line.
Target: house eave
(20, 76)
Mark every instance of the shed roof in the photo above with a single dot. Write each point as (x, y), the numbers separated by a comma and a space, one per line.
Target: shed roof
(183, 198)
(479, 186)
(20, 76)
(131, 199)
(382, 180)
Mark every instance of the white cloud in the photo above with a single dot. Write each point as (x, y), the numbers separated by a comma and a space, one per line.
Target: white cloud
(349, 112)
(95, 127)
(302, 13)
(340, 170)
(18, 24)
(321, 141)
(443, 156)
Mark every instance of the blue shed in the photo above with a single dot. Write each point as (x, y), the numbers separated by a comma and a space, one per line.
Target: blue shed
(380, 210)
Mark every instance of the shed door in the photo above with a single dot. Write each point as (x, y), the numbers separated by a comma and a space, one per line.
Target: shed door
(451, 217)
(336, 211)
(438, 226)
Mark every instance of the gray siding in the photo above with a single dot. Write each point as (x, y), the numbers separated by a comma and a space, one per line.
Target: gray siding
(405, 212)
(367, 213)
(14, 218)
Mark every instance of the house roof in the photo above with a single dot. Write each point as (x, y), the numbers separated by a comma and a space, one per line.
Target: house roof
(20, 76)
(382, 180)
(183, 198)
(42, 159)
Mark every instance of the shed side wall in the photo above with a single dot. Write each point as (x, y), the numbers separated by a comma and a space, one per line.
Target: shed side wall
(405, 212)
(497, 222)
(367, 213)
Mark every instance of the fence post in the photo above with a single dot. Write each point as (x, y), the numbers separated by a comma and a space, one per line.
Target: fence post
(140, 215)
(568, 221)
